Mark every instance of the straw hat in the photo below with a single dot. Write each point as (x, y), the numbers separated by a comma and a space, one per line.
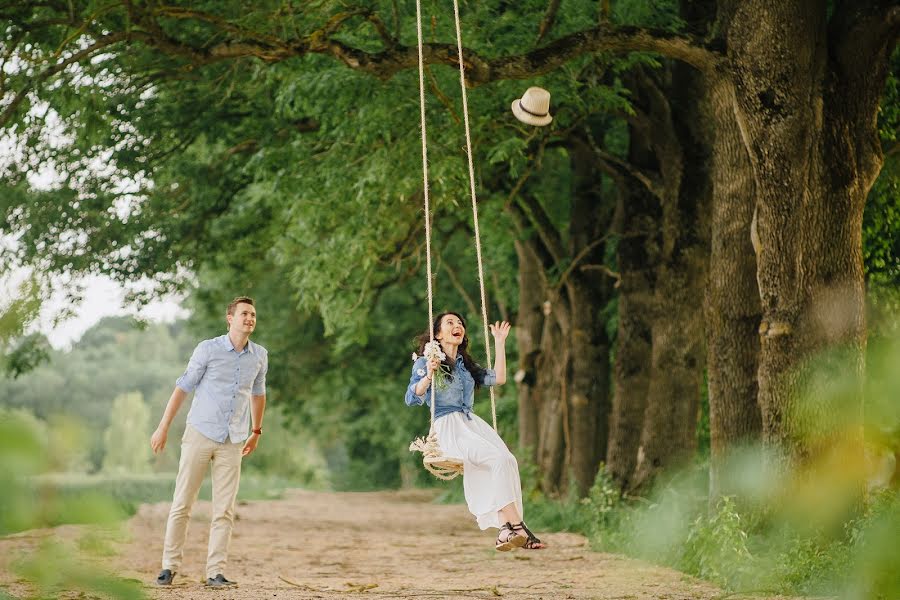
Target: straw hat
(533, 107)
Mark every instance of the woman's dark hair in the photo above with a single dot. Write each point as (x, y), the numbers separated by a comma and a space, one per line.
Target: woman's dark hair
(472, 367)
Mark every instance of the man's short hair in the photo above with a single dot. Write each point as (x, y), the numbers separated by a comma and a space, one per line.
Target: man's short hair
(236, 301)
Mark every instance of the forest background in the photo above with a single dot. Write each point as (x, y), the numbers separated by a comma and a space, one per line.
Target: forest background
(700, 255)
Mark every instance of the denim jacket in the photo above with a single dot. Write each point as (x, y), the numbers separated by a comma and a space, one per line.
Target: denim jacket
(457, 396)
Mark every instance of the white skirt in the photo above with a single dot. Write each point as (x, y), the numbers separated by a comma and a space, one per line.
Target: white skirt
(491, 475)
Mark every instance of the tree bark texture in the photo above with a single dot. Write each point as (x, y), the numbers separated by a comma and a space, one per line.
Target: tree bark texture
(637, 253)
(529, 325)
(541, 380)
(808, 123)
(669, 432)
(565, 378)
(553, 427)
(587, 292)
(732, 297)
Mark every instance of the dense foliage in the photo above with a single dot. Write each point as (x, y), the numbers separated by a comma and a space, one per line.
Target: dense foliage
(219, 148)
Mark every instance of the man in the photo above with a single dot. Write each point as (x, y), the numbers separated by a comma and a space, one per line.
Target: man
(228, 377)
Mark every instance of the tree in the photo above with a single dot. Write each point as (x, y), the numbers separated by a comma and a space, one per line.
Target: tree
(126, 437)
(237, 157)
(21, 351)
(808, 126)
(300, 120)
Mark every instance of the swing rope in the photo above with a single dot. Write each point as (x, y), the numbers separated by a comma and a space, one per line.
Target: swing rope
(425, 185)
(429, 446)
(433, 459)
(465, 103)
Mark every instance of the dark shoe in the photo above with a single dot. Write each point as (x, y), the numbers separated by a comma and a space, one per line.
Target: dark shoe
(532, 543)
(165, 577)
(219, 581)
(508, 539)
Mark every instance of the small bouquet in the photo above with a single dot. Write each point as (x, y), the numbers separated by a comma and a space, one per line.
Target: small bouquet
(431, 352)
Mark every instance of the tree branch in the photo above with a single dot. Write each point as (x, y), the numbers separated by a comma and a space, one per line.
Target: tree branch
(603, 269)
(386, 38)
(479, 70)
(520, 221)
(535, 164)
(458, 286)
(395, 13)
(178, 12)
(544, 226)
(549, 19)
(622, 167)
(622, 170)
(53, 70)
(604, 37)
(495, 281)
(84, 26)
(605, 10)
(578, 258)
(893, 149)
(662, 135)
(435, 87)
(241, 42)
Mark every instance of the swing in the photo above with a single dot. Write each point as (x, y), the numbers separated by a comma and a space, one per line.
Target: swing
(444, 467)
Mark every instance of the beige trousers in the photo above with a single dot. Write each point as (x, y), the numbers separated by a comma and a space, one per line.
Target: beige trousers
(197, 452)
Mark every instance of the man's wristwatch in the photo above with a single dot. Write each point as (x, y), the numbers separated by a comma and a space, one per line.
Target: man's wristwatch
(257, 431)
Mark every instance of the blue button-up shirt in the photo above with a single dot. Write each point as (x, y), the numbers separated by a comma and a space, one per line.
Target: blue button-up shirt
(223, 380)
(458, 396)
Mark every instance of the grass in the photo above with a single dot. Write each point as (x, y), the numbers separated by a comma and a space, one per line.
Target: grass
(741, 550)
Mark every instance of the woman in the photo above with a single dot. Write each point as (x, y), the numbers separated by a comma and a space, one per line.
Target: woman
(491, 474)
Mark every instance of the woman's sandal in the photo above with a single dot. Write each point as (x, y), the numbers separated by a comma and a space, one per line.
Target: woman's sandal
(531, 541)
(508, 539)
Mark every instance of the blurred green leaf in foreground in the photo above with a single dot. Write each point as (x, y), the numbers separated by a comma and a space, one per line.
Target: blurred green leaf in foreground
(55, 564)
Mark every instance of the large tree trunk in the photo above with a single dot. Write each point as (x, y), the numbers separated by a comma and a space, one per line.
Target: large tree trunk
(542, 376)
(588, 386)
(564, 378)
(543, 425)
(637, 253)
(732, 297)
(669, 432)
(529, 325)
(588, 292)
(553, 424)
(809, 126)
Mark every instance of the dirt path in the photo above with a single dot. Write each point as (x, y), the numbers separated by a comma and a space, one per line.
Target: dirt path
(379, 545)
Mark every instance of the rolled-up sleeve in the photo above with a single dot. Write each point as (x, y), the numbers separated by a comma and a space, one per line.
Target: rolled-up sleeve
(259, 384)
(418, 372)
(195, 369)
(490, 377)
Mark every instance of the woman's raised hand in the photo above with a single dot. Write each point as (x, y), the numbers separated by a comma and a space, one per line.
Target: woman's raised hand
(500, 330)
